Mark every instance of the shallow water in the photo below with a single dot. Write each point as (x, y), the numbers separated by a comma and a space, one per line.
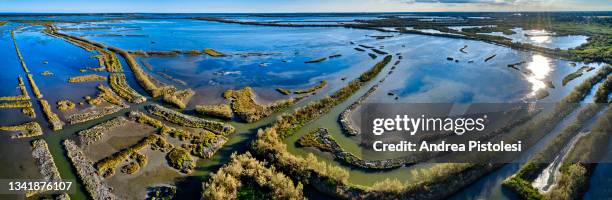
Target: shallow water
(424, 75)
(543, 38)
(38, 48)
(284, 67)
(162, 34)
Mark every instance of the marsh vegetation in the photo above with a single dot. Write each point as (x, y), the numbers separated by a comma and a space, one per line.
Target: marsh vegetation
(240, 82)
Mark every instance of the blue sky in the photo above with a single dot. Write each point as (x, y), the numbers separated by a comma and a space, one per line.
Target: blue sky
(205, 6)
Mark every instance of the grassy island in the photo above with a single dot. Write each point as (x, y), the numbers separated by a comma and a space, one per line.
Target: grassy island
(47, 73)
(65, 105)
(119, 84)
(312, 89)
(245, 107)
(16, 104)
(284, 91)
(601, 96)
(143, 78)
(25, 130)
(53, 119)
(138, 161)
(35, 89)
(29, 111)
(155, 53)
(86, 78)
(219, 110)
(23, 64)
(190, 121)
(323, 141)
(315, 139)
(574, 75)
(373, 56)
(204, 144)
(179, 98)
(316, 60)
(213, 53)
(109, 96)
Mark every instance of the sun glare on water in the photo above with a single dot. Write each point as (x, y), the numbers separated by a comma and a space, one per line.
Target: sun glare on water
(539, 36)
(540, 39)
(540, 67)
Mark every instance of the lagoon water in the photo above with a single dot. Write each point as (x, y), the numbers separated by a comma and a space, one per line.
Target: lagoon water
(544, 39)
(423, 75)
(284, 65)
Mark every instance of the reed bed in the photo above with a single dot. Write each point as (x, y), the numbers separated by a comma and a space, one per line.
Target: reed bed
(179, 98)
(142, 78)
(222, 184)
(213, 53)
(86, 78)
(25, 130)
(29, 111)
(219, 110)
(54, 120)
(190, 121)
(65, 105)
(35, 89)
(316, 60)
(23, 64)
(119, 84)
(16, 104)
(245, 107)
(24, 93)
(312, 89)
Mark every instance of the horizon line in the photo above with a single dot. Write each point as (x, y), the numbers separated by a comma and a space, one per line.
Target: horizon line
(306, 12)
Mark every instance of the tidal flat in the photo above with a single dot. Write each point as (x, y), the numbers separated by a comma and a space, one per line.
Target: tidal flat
(313, 58)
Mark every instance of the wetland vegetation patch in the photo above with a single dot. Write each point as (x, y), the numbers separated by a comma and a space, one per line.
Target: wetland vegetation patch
(190, 121)
(223, 111)
(25, 130)
(86, 78)
(245, 107)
